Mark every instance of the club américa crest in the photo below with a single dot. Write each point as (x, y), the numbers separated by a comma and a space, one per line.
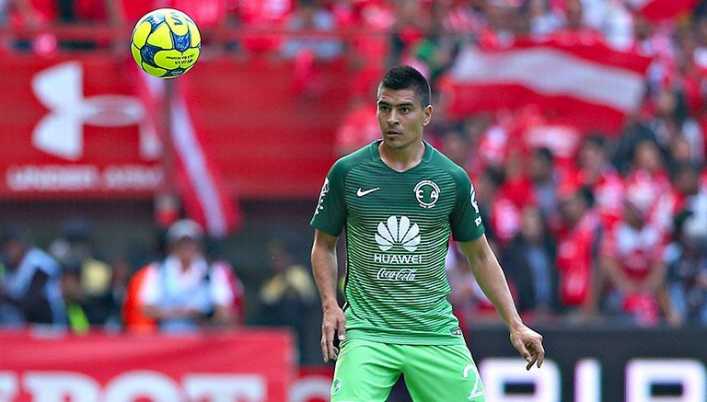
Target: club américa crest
(427, 193)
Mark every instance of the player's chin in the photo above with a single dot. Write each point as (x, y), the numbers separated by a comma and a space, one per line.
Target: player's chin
(394, 140)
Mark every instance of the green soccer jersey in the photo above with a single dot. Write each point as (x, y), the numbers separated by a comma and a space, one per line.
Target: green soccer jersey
(398, 226)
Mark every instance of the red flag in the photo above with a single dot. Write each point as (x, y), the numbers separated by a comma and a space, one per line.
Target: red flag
(580, 82)
(205, 198)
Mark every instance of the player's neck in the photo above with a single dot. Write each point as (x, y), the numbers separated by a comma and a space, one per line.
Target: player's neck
(402, 159)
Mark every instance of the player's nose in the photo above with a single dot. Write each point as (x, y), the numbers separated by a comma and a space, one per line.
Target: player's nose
(393, 118)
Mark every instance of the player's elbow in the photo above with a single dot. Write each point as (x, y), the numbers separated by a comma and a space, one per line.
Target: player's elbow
(321, 254)
(478, 252)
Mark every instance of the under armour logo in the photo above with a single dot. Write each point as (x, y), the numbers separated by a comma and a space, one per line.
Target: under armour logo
(60, 133)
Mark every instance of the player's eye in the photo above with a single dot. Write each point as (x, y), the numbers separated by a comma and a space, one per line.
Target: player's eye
(384, 108)
(405, 109)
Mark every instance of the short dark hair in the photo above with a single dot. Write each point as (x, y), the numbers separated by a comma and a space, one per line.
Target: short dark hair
(406, 77)
(545, 154)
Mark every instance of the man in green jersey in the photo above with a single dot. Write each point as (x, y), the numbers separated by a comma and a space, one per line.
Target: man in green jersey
(399, 200)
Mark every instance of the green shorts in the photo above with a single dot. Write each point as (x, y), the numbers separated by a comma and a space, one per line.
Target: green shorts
(366, 371)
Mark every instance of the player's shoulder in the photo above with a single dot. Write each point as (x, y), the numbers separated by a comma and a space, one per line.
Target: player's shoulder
(442, 162)
(344, 164)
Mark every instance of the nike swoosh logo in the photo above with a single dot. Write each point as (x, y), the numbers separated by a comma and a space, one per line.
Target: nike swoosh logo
(361, 193)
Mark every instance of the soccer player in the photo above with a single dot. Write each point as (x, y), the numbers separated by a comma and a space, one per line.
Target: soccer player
(399, 199)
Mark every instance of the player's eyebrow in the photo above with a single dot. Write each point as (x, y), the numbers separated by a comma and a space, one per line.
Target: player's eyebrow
(385, 103)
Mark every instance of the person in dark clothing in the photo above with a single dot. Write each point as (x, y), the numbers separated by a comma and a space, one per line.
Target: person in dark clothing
(545, 181)
(530, 262)
(29, 283)
(75, 249)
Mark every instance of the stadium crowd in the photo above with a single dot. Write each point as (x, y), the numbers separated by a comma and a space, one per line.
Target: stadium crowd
(610, 227)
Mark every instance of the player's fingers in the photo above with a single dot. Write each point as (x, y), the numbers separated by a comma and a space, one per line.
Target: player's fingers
(341, 329)
(537, 352)
(541, 354)
(329, 337)
(322, 344)
(520, 347)
(531, 362)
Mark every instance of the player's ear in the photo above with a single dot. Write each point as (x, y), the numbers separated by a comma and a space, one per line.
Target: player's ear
(428, 115)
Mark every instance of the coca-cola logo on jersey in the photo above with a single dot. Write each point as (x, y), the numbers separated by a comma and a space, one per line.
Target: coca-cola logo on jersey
(403, 275)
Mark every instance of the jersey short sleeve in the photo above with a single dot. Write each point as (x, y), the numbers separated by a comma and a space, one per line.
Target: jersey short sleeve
(330, 213)
(465, 219)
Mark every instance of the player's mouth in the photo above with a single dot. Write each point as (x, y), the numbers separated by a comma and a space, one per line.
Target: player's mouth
(393, 132)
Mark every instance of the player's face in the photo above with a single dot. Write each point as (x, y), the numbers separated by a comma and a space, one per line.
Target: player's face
(401, 117)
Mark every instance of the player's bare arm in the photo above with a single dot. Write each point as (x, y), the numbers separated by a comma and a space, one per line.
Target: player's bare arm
(490, 277)
(324, 267)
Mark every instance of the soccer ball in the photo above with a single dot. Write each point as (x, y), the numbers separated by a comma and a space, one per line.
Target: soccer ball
(166, 43)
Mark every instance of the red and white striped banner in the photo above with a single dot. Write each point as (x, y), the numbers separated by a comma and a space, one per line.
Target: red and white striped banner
(200, 183)
(582, 83)
(198, 180)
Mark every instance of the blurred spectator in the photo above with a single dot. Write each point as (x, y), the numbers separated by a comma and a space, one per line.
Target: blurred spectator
(632, 261)
(686, 285)
(544, 181)
(529, 261)
(208, 13)
(262, 15)
(289, 294)
(599, 175)
(577, 250)
(29, 283)
(307, 50)
(185, 291)
(456, 147)
(486, 188)
(120, 280)
(515, 192)
(106, 12)
(502, 23)
(369, 48)
(543, 18)
(612, 18)
(134, 318)
(409, 28)
(73, 249)
(690, 196)
(77, 320)
(647, 185)
(309, 16)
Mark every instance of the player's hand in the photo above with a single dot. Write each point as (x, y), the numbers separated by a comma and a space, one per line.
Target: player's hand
(333, 323)
(529, 344)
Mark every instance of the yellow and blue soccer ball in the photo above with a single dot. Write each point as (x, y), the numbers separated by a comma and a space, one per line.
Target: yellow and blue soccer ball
(166, 43)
